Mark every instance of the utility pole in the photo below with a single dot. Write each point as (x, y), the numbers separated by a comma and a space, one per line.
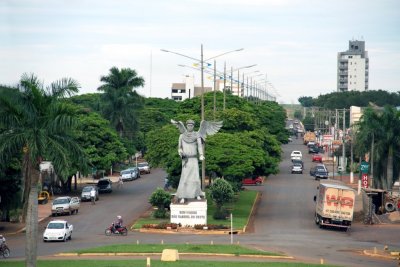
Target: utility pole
(344, 141)
(224, 83)
(203, 162)
(215, 87)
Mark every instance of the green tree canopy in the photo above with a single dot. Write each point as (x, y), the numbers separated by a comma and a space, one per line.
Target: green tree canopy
(38, 125)
(100, 142)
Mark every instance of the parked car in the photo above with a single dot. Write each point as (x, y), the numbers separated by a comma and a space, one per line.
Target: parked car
(65, 205)
(319, 172)
(317, 157)
(85, 195)
(130, 174)
(252, 181)
(144, 167)
(297, 168)
(58, 230)
(104, 185)
(296, 155)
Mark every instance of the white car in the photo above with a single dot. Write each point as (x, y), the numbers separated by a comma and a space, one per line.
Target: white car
(296, 155)
(58, 230)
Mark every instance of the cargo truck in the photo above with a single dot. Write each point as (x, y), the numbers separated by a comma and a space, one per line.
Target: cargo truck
(334, 204)
(309, 137)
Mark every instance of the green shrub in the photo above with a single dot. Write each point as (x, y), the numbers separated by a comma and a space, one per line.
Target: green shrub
(160, 199)
(221, 192)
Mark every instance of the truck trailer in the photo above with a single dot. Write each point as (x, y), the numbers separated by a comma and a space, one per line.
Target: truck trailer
(334, 204)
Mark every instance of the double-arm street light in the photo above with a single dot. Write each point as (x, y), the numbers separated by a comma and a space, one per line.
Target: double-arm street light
(232, 80)
(202, 61)
(247, 82)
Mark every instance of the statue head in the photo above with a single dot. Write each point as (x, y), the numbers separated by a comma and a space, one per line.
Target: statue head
(190, 122)
(190, 125)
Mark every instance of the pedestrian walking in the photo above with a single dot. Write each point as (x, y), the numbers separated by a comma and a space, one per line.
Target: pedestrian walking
(120, 182)
(93, 196)
(166, 184)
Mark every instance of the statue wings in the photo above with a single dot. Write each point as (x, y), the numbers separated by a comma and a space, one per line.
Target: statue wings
(179, 125)
(209, 128)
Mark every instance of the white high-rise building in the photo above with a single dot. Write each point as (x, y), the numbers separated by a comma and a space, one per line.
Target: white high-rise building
(353, 68)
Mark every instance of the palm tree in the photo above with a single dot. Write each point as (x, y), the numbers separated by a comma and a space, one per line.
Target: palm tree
(120, 99)
(39, 126)
(388, 143)
(379, 133)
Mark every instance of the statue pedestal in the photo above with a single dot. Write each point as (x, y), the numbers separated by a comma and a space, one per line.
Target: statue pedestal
(189, 213)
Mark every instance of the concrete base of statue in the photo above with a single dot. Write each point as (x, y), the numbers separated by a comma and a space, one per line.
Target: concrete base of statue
(190, 213)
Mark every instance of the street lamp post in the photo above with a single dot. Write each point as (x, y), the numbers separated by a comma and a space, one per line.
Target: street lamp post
(202, 61)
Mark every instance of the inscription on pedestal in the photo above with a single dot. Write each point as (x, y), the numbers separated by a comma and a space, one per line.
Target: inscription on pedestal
(189, 214)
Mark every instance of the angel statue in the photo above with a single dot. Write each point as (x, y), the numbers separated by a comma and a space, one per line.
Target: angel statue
(191, 144)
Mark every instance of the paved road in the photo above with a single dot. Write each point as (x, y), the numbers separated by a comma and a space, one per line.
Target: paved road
(284, 222)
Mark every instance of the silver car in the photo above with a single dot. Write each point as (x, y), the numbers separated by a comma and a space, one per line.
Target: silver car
(144, 167)
(130, 174)
(297, 168)
(85, 195)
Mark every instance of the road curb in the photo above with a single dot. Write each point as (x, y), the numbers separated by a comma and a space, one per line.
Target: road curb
(381, 254)
(183, 253)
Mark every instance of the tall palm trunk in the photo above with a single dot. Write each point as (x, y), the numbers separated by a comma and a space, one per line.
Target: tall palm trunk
(373, 182)
(32, 217)
(389, 168)
(27, 182)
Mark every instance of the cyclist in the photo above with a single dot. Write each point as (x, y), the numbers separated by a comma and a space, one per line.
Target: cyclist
(2, 241)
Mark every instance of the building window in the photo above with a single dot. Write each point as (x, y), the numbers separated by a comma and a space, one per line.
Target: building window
(174, 91)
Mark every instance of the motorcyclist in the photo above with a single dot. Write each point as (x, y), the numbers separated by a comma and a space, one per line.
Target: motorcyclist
(118, 223)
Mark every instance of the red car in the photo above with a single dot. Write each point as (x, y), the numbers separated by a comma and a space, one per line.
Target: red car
(317, 157)
(252, 181)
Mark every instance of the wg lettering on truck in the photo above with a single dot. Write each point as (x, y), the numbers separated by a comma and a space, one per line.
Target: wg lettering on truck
(343, 201)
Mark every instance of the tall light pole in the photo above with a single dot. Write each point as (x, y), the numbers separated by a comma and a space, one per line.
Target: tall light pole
(202, 61)
(247, 82)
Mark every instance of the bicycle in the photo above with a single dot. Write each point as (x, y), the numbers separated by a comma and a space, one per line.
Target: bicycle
(4, 251)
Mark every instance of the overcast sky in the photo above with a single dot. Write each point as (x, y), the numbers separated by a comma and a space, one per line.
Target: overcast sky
(294, 42)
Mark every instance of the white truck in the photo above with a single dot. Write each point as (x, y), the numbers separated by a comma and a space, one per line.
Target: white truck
(334, 204)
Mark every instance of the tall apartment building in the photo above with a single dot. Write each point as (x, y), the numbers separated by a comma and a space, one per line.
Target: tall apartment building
(353, 68)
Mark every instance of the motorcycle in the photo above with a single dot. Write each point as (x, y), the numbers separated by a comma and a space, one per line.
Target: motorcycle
(5, 251)
(116, 230)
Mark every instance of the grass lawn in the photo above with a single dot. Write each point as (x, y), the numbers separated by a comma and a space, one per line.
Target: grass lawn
(182, 248)
(241, 209)
(154, 263)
